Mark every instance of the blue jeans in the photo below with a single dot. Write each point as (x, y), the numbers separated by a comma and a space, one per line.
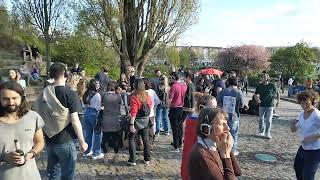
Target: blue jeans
(306, 163)
(290, 90)
(162, 114)
(234, 131)
(92, 137)
(265, 119)
(62, 161)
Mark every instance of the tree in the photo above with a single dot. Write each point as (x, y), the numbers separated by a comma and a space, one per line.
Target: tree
(185, 56)
(243, 59)
(294, 61)
(135, 28)
(173, 56)
(46, 16)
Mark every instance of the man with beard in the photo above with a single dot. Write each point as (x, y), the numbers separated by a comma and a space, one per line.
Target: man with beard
(58, 106)
(21, 129)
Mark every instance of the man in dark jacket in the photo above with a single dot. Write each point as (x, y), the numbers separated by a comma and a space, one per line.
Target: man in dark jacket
(188, 105)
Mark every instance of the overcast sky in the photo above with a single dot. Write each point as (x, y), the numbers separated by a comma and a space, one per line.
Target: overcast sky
(261, 22)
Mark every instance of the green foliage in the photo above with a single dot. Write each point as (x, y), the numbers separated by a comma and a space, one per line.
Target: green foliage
(254, 79)
(149, 70)
(185, 56)
(295, 61)
(89, 53)
(4, 19)
(173, 56)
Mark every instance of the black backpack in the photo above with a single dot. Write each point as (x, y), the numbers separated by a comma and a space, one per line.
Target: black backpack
(144, 111)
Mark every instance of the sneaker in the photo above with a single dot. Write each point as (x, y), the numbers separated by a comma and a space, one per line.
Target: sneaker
(236, 153)
(147, 162)
(89, 154)
(167, 133)
(176, 150)
(100, 156)
(157, 134)
(275, 116)
(260, 134)
(131, 163)
(268, 136)
(116, 158)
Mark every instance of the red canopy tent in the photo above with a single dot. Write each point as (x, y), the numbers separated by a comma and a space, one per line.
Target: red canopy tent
(211, 71)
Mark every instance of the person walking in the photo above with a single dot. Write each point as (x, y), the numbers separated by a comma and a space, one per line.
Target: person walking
(21, 129)
(58, 107)
(265, 94)
(231, 100)
(176, 98)
(307, 159)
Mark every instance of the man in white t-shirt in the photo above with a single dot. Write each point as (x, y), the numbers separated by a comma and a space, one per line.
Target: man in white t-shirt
(290, 87)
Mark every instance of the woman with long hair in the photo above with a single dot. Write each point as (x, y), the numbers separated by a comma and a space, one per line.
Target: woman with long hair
(140, 104)
(162, 111)
(307, 159)
(72, 82)
(92, 102)
(15, 76)
(211, 156)
(190, 133)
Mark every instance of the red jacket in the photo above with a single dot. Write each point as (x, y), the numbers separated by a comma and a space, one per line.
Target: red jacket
(177, 93)
(190, 137)
(136, 104)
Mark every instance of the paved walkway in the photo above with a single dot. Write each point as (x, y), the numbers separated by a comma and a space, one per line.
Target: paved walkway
(166, 165)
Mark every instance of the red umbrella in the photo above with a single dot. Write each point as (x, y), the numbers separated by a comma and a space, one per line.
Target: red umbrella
(211, 71)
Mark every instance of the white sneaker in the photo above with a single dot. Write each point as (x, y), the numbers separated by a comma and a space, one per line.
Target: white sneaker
(131, 163)
(147, 162)
(236, 153)
(89, 154)
(260, 134)
(268, 136)
(176, 150)
(100, 156)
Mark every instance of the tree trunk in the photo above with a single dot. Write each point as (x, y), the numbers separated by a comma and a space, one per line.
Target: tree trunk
(124, 65)
(48, 54)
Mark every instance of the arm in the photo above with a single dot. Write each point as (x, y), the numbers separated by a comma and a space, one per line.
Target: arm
(235, 165)
(38, 141)
(76, 124)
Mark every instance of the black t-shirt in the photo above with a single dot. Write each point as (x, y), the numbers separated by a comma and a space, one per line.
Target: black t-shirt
(68, 99)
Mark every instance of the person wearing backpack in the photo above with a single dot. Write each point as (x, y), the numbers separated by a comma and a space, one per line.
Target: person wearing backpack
(140, 104)
(92, 101)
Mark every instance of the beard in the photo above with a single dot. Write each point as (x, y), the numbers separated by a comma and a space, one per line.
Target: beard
(10, 108)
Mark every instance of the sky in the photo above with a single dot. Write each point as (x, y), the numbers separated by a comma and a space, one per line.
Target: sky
(226, 23)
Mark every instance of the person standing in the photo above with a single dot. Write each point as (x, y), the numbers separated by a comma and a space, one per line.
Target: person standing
(265, 94)
(92, 102)
(162, 112)
(103, 78)
(231, 100)
(58, 107)
(188, 106)
(307, 159)
(176, 98)
(25, 126)
(140, 104)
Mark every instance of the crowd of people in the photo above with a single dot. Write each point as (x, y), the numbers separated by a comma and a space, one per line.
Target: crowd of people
(203, 112)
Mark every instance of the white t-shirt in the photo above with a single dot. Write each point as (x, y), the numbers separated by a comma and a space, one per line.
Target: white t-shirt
(290, 81)
(308, 127)
(95, 102)
(155, 101)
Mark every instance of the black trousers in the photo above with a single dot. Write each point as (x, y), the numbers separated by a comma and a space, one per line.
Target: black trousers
(176, 121)
(144, 133)
(112, 138)
(306, 163)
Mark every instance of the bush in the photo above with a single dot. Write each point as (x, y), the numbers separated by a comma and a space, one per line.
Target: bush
(254, 80)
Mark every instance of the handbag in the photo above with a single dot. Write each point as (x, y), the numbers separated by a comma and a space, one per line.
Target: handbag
(142, 119)
(125, 120)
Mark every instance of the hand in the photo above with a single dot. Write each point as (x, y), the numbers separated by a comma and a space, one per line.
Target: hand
(132, 129)
(29, 156)
(83, 146)
(18, 76)
(225, 143)
(14, 158)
